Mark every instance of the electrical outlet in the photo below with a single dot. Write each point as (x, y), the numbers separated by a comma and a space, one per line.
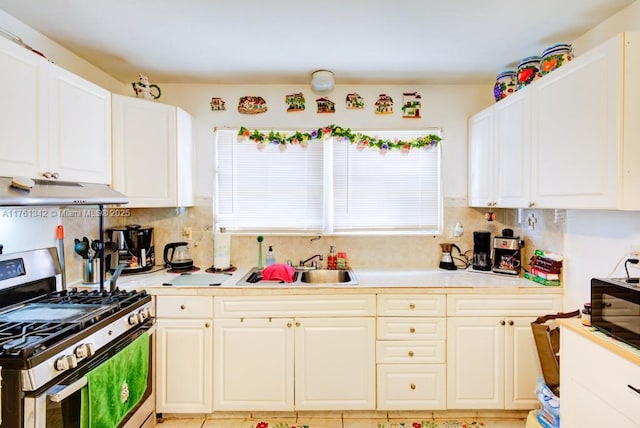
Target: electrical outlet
(187, 233)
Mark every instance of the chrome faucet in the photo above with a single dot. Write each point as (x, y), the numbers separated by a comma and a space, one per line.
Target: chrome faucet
(314, 263)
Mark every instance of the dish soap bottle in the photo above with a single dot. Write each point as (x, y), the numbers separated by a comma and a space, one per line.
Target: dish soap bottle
(271, 257)
(332, 260)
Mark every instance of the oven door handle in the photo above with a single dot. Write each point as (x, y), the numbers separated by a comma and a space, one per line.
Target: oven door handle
(58, 393)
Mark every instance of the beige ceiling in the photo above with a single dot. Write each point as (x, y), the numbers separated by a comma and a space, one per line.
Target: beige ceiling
(284, 41)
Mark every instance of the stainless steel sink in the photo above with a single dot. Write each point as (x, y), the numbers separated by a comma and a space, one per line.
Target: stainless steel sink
(326, 276)
(302, 278)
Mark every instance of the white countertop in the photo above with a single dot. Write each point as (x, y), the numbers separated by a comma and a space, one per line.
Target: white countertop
(384, 280)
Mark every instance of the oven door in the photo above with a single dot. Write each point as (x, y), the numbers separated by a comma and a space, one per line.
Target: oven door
(68, 404)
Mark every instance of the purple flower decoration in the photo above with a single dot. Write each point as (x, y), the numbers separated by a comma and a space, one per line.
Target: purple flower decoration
(385, 146)
(274, 141)
(314, 134)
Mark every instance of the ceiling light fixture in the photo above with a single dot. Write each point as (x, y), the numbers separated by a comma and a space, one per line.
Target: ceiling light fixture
(322, 81)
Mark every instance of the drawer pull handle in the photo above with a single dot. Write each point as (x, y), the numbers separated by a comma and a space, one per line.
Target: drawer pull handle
(297, 324)
(510, 322)
(183, 307)
(289, 325)
(207, 325)
(413, 386)
(411, 353)
(634, 388)
(412, 306)
(412, 330)
(502, 322)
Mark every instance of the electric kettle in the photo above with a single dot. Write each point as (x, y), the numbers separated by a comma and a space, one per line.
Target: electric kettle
(177, 257)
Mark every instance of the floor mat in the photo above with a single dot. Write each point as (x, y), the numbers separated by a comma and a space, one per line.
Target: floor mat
(404, 424)
(432, 424)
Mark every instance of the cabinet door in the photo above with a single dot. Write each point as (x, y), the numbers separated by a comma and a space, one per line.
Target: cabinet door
(475, 363)
(576, 132)
(253, 364)
(522, 365)
(335, 364)
(512, 151)
(80, 128)
(23, 110)
(481, 162)
(144, 151)
(184, 361)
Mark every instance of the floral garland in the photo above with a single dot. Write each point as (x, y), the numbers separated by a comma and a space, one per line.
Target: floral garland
(361, 140)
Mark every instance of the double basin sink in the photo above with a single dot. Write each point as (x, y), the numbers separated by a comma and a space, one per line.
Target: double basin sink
(304, 277)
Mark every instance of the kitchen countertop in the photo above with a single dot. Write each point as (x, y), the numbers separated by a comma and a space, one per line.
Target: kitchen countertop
(369, 279)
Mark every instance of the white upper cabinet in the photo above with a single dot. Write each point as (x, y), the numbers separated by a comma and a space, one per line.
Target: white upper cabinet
(499, 148)
(80, 128)
(569, 140)
(53, 124)
(152, 153)
(578, 138)
(481, 177)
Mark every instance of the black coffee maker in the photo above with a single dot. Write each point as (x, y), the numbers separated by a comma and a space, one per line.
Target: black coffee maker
(135, 249)
(481, 251)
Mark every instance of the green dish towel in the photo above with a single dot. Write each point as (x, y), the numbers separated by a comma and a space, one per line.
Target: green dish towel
(116, 386)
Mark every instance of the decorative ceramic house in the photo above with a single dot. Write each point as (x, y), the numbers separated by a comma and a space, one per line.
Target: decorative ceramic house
(217, 104)
(325, 105)
(354, 101)
(411, 104)
(295, 102)
(252, 105)
(384, 104)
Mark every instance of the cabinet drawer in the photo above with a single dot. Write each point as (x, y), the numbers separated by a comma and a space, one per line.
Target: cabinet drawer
(184, 307)
(410, 351)
(411, 386)
(412, 305)
(356, 305)
(412, 328)
(503, 305)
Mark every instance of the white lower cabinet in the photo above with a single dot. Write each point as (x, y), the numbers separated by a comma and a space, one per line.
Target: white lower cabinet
(281, 353)
(184, 357)
(492, 362)
(410, 352)
(599, 387)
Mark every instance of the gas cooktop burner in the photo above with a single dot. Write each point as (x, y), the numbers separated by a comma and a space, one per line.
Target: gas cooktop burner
(30, 327)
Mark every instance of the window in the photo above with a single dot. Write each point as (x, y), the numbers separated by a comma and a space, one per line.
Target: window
(330, 186)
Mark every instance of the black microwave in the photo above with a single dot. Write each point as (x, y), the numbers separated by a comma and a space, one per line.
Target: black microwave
(615, 308)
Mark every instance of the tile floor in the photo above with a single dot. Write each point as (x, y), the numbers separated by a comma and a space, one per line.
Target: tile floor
(313, 422)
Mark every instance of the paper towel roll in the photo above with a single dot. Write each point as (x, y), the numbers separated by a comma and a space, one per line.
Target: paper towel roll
(221, 250)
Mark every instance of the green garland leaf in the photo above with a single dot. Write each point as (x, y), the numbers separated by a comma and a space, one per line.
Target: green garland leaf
(362, 140)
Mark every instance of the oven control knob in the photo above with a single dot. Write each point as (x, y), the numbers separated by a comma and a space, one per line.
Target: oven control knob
(84, 351)
(145, 314)
(133, 319)
(66, 362)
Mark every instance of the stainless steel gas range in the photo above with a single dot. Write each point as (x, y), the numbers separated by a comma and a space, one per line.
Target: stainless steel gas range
(71, 358)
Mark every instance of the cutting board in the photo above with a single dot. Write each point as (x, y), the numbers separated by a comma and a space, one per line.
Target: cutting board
(198, 279)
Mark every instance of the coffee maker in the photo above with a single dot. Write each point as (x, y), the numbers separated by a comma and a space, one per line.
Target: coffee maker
(506, 253)
(481, 251)
(446, 262)
(135, 249)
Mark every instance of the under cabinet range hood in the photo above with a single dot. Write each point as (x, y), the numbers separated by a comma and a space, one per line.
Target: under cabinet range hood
(21, 191)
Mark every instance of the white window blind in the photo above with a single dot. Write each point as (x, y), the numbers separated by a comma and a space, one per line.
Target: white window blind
(330, 186)
(267, 190)
(392, 192)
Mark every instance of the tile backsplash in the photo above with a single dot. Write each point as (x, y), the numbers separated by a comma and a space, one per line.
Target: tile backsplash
(412, 251)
